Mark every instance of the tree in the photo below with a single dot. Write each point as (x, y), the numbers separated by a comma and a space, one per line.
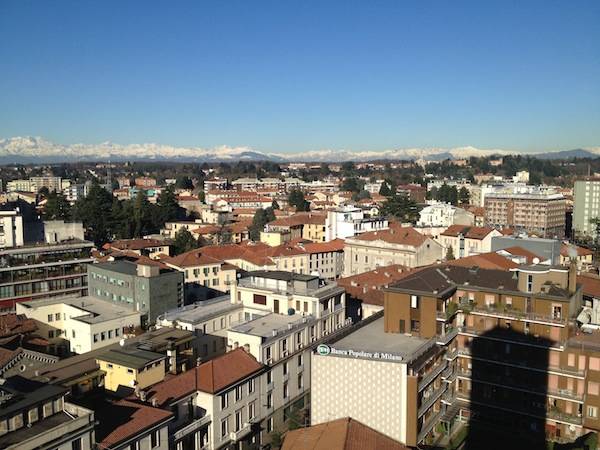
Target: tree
(168, 208)
(201, 196)
(362, 195)
(95, 211)
(143, 216)
(184, 182)
(275, 205)
(260, 219)
(464, 196)
(400, 207)
(352, 184)
(57, 207)
(385, 190)
(296, 199)
(183, 242)
(449, 254)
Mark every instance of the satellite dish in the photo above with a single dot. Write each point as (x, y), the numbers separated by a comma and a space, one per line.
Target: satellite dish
(536, 260)
(122, 342)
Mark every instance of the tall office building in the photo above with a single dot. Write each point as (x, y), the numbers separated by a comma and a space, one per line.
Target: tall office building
(586, 207)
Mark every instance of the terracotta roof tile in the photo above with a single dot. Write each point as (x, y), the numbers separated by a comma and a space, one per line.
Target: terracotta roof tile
(340, 434)
(11, 324)
(581, 251)
(396, 234)
(489, 260)
(468, 231)
(225, 370)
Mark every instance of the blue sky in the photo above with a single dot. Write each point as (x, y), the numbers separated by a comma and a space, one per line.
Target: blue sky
(301, 75)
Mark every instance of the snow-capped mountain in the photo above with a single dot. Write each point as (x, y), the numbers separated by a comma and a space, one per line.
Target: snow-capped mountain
(38, 150)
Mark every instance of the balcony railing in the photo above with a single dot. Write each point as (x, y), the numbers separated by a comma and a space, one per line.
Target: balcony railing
(428, 426)
(193, 426)
(428, 378)
(509, 337)
(429, 401)
(509, 313)
(237, 435)
(446, 338)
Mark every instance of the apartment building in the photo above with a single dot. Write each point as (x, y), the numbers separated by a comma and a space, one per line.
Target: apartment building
(146, 286)
(539, 213)
(131, 367)
(152, 248)
(467, 240)
(38, 271)
(349, 221)
(396, 245)
(326, 259)
(81, 324)
(278, 318)
(586, 207)
(444, 215)
(35, 415)
(517, 359)
(11, 229)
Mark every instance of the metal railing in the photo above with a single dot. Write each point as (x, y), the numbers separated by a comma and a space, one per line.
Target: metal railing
(193, 426)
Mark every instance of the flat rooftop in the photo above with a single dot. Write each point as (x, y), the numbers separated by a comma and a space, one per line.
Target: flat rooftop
(281, 275)
(93, 310)
(130, 357)
(265, 325)
(201, 311)
(372, 339)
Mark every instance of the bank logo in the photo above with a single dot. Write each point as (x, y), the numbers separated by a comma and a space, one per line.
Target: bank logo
(323, 349)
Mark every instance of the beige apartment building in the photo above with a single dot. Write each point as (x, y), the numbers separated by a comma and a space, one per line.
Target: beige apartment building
(541, 214)
(397, 245)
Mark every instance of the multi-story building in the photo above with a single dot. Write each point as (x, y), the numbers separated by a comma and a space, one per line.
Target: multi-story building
(19, 186)
(325, 258)
(131, 367)
(81, 324)
(414, 192)
(75, 192)
(152, 248)
(459, 343)
(586, 207)
(539, 213)
(35, 415)
(145, 285)
(444, 215)
(279, 318)
(466, 240)
(41, 271)
(396, 245)
(53, 184)
(348, 221)
(11, 229)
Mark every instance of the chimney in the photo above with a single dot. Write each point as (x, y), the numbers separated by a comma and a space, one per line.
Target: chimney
(573, 275)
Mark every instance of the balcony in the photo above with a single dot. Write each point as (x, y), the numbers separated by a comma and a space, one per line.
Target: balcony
(428, 378)
(504, 312)
(192, 427)
(428, 426)
(509, 337)
(239, 434)
(429, 401)
(445, 339)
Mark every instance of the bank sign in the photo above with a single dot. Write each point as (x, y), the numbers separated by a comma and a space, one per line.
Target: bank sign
(324, 350)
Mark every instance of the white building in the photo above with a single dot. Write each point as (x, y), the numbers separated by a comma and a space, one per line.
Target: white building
(87, 323)
(11, 229)
(444, 215)
(348, 221)
(467, 241)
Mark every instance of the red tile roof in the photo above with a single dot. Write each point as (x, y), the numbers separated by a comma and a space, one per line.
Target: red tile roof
(520, 251)
(192, 258)
(591, 284)
(490, 260)
(223, 371)
(125, 419)
(11, 324)
(468, 231)
(340, 434)
(337, 245)
(396, 234)
(300, 218)
(581, 251)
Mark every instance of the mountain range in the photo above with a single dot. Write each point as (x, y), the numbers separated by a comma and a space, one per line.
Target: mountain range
(23, 150)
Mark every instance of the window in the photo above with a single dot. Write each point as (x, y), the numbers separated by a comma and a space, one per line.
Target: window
(251, 410)
(47, 409)
(594, 363)
(224, 427)
(414, 301)
(415, 326)
(270, 425)
(529, 283)
(50, 318)
(300, 381)
(72, 333)
(238, 420)
(251, 386)
(260, 299)
(299, 359)
(286, 391)
(593, 388)
(592, 411)
(129, 370)
(103, 335)
(110, 334)
(33, 415)
(269, 377)
(285, 368)
(238, 393)
(269, 400)
(155, 439)
(117, 332)
(50, 334)
(57, 316)
(224, 400)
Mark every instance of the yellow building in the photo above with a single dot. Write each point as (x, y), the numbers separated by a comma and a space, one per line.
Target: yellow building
(274, 238)
(131, 367)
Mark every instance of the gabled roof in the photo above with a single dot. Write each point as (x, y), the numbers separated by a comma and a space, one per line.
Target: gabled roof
(11, 324)
(336, 245)
(489, 260)
(192, 258)
(299, 219)
(135, 244)
(520, 251)
(467, 231)
(590, 283)
(340, 434)
(581, 251)
(223, 371)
